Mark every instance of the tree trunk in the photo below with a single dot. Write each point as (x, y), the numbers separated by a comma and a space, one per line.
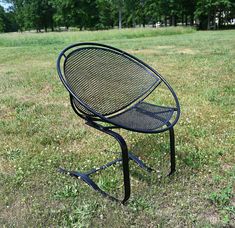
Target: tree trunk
(144, 22)
(192, 20)
(133, 23)
(120, 18)
(208, 21)
(173, 20)
(219, 20)
(214, 23)
(133, 19)
(165, 21)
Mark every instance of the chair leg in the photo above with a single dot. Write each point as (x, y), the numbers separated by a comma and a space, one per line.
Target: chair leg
(172, 150)
(125, 164)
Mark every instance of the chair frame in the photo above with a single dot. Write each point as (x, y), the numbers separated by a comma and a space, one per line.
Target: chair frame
(92, 121)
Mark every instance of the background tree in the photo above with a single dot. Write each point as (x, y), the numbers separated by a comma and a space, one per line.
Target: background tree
(208, 10)
(118, 6)
(188, 9)
(104, 14)
(33, 14)
(65, 12)
(2, 19)
(7, 21)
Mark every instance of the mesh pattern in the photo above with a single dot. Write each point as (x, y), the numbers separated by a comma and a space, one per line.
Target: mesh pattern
(81, 108)
(106, 80)
(144, 117)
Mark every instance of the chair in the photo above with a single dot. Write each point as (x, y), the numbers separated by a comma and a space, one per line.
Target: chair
(108, 88)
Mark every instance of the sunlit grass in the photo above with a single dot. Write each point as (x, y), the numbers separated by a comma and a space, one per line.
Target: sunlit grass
(39, 132)
(56, 38)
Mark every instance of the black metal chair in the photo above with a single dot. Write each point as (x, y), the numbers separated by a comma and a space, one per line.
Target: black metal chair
(107, 85)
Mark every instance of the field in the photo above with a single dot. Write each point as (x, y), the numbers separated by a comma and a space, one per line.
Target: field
(39, 132)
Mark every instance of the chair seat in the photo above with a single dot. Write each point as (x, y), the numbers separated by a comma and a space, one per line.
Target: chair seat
(144, 117)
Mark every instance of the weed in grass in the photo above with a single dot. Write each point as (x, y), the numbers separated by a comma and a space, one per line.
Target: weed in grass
(79, 215)
(223, 197)
(13, 153)
(68, 191)
(109, 183)
(140, 205)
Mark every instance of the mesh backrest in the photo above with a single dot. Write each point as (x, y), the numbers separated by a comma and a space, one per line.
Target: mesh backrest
(106, 80)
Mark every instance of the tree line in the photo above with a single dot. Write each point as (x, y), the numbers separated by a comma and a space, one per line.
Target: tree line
(104, 14)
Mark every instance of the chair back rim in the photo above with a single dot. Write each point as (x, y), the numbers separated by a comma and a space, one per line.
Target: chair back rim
(127, 55)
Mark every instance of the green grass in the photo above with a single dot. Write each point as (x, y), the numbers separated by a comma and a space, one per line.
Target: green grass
(39, 132)
(28, 39)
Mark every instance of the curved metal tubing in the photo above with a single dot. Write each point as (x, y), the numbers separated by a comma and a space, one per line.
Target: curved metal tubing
(125, 163)
(99, 115)
(125, 158)
(172, 150)
(89, 181)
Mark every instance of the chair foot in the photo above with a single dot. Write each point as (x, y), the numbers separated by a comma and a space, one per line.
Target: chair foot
(88, 181)
(171, 172)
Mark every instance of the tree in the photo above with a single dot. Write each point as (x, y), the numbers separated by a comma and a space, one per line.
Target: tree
(65, 12)
(106, 14)
(188, 9)
(30, 14)
(2, 19)
(208, 10)
(83, 13)
(118, 5)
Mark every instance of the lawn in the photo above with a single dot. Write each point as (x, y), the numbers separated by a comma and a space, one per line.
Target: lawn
(39, 132)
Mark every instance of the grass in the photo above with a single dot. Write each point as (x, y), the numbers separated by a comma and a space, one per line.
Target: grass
(28, 39)
(40, 132)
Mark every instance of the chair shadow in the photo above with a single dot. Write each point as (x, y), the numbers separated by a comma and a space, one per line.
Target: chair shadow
(151, 151)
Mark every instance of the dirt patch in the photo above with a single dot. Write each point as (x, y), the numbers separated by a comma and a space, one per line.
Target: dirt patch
(6, 113)
(5, 167)
(233, 201)
(212, 217)
(226, 167)
(15, 214)
(47, 89)
(187, 51)
(150, 51)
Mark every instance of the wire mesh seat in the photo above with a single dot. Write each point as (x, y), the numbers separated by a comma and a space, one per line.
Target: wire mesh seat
(111, 86)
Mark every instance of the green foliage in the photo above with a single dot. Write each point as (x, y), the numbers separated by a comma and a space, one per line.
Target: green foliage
(206, 11)
(6, 25)
(105, 14)
(223, 197)
(33, 14)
